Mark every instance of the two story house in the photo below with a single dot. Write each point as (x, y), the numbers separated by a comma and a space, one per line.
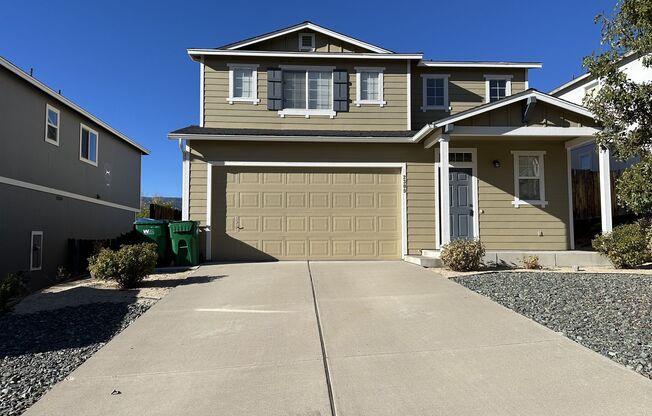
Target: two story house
(64, 174)
(312, 144)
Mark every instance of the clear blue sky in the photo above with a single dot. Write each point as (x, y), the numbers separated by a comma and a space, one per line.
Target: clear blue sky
(126, 62)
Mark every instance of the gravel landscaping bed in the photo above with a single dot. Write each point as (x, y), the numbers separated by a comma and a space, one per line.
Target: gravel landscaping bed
(37, 350)
(608, 313)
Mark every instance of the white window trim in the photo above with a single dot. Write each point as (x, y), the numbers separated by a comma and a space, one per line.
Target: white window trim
(97, 144)
(542, 184)
(254, 80)
(358, 90)
(306, 112)
(49, 108)
(424, 105)
(303, 48)
(508, 84)
(31, 251)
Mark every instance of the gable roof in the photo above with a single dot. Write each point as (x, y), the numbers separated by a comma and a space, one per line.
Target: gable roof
(49, 91)
(302, 26)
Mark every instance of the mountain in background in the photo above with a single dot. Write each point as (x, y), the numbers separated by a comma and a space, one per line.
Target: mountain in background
(176, 202)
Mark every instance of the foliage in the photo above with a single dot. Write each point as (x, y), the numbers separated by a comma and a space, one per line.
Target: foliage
(10, 287)
(127, 266)
(626, 246)
(463, 255)
(531, 262)
(621, 106)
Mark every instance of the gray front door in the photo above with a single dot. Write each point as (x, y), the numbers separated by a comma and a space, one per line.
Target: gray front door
(461, 203)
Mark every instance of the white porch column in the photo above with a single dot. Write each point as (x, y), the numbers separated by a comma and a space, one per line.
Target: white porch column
(445, 190)
(605, 190)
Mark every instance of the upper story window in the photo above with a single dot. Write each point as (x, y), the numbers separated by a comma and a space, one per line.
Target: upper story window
(435, 92)
(529, 187)
(88, 145)
(52, 120)
(369, 86)
(307, 91)
(306, 42)
(497, 87)
(243, 83)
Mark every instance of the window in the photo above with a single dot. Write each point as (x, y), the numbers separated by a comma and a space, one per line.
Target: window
(88, 145)
(243, 83)
(36, 251)
(460, 157)
(435, 92)
(306, 42)
(307, 92)
(529, 187)
(52, 119)
(497, 87)
(369, 86)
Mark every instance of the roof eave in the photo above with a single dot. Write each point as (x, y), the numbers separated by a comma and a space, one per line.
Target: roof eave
(196, 54)
(480, 64)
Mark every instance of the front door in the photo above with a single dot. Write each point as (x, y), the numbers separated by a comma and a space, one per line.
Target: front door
(461, 203)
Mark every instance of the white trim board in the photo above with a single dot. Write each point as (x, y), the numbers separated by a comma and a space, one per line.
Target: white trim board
(480, 64)
(38, 84)
(40, 188)
(196, 53)
(398, 165)
(268, 138)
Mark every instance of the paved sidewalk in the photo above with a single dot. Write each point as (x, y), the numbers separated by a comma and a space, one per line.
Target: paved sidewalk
(398, 340)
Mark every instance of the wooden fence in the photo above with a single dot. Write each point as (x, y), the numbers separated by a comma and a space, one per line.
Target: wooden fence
(586, 194)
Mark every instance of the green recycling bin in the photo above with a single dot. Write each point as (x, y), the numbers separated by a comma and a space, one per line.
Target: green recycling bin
(185, 242)
(155, 231)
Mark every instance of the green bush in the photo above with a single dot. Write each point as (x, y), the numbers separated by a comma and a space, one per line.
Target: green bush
(127, 266)
(626, 246)
(10, 287)
(463, 255)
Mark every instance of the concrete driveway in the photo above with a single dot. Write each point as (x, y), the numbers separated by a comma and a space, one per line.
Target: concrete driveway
(343, 338)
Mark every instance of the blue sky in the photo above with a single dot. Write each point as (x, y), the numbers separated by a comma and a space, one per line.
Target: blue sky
(126, 62)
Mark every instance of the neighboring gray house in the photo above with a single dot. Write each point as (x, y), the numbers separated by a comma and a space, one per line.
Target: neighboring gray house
(63, 174)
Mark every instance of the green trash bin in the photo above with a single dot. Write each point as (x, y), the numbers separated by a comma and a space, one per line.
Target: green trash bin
(185, 242)
(155, 231)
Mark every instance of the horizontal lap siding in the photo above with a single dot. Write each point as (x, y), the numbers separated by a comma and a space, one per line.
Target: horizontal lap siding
(420, 174)
(466, 89)
(505, 227)
(543, 114)
(219, 113)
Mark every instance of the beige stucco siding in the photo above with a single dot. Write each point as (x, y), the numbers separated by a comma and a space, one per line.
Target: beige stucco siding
(219, 113)
(466, 89)
(420, 174)
(503, 226)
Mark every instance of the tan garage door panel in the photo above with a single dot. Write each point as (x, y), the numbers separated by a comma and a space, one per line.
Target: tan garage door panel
(306, 213)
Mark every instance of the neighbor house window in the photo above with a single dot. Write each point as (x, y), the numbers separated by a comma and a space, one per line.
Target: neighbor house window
(369, 86)
(306, 42)
(36, 251)
(52, 120)
(307, 92)
(435, 92)
(529, 186)
(243, 83)
(88, 145)
(497, 87)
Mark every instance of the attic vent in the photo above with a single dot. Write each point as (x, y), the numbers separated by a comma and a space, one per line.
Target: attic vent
(306, 42)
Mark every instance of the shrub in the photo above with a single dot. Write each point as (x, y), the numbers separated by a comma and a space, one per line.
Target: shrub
(626, 245)
(11, 286)
(127, 266)
(463, 255)
(531, 262)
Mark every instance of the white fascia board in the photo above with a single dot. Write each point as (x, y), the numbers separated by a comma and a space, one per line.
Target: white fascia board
(265, 138)
(574, 82)
(38, 84)
(466, 64)
(316, 28)
(567, 105)
(524, 131)
(197, 53)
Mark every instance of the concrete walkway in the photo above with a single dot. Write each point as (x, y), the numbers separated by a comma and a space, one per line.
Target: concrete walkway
(398, 340)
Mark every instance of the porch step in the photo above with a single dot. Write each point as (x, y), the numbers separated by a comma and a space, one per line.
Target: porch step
(423, 261)
(431, 253)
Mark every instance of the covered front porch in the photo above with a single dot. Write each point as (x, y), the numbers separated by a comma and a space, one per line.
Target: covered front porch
(507, 180)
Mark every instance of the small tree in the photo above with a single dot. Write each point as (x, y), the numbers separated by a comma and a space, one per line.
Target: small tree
(624, 107)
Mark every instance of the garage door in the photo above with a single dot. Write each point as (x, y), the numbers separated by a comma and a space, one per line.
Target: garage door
(262, 213)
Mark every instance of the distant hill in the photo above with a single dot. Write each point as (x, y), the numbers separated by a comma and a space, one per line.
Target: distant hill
(176, 202)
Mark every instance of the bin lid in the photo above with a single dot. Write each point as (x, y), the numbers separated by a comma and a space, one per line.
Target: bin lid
(182, 226)
(149, 221)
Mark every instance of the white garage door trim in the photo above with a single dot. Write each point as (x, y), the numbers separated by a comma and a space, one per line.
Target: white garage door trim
(400, 165)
